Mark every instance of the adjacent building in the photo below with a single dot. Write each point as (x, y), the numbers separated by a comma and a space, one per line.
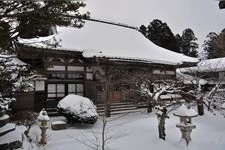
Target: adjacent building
(207, 72)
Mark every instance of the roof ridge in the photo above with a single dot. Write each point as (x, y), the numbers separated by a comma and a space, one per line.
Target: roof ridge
(111, 23)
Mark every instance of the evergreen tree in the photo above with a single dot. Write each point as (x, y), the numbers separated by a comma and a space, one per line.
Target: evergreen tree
(214, 45)
(30, 19)
(160, 34)
(178, 41)
(13, 76)
(188, 45)
(143, 30)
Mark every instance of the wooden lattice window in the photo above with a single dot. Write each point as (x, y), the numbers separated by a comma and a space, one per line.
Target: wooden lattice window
(56, 90)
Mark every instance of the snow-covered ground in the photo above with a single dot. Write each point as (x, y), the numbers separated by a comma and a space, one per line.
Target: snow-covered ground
(139, 131)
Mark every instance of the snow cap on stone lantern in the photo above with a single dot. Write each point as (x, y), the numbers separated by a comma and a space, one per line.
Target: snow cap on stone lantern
(43, 116)
(183, 111)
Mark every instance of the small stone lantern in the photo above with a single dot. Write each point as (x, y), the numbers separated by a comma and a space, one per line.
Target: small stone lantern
(185, 124)
(43, 118)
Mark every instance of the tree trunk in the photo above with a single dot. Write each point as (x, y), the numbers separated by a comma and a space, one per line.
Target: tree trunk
(161, 128)
(107, 102)
(162, 121)
(104, 121)
(107, 110)
(149, 107)
(200, 106)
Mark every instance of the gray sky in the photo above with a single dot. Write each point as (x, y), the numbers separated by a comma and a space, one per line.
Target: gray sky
(202, 16)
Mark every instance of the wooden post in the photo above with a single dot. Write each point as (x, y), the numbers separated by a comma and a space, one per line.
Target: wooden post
(107, 100)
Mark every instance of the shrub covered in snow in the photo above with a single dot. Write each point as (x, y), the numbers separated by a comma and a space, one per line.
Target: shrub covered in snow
(78, 109)
(14, 75)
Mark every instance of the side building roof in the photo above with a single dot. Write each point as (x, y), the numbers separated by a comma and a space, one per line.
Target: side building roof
(98, 39)
(208, 65)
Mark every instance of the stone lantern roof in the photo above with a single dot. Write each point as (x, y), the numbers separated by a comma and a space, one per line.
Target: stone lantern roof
(43, 116)
(183, 111)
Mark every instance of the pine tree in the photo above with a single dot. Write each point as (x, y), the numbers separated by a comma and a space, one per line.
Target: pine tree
(143, 30)
(188, 45)
(214, 45)
(160, 34)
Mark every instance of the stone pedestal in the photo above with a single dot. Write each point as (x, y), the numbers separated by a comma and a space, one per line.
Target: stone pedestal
(43, 118)
(185, 124)
(43, 127)
(186, 131)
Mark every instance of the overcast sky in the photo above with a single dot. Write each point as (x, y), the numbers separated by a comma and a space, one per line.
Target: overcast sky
(202, 16)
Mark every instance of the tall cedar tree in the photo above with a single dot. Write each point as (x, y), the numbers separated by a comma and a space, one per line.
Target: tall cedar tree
(214, 45)
(159, 33)
(188, 45)
(28, 19)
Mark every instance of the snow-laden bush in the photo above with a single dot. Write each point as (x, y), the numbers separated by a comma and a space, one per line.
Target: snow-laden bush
(14, 76)
(78, 109)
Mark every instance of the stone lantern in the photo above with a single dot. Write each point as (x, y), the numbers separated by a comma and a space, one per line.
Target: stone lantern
(185, 124)
(43, 118)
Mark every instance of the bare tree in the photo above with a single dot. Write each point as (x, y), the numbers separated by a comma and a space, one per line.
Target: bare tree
(161, 116)
(99, 139)
(27, 118)
(198, 77)
(162, 106)
(145, 85)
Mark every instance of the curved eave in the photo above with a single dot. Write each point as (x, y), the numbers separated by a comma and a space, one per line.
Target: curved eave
(122, 59)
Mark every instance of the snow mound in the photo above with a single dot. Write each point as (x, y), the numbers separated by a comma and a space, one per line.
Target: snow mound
(78, 109)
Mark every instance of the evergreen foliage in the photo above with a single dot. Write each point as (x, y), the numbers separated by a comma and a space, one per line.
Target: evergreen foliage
(188, 45)
(13, 77)
(214, 45)
(159, 33)
(28, 19)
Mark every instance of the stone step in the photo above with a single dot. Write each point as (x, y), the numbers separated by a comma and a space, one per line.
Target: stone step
(9, 127)
(123, 112)
(120, 108)
(4, 120)
(52, 111)
(116, 106)
(12, 137)
(113, 109)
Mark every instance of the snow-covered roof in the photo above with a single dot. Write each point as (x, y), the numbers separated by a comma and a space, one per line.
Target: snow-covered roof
(208, 65)
(189, 79)
(13, 60)
(97, 39)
